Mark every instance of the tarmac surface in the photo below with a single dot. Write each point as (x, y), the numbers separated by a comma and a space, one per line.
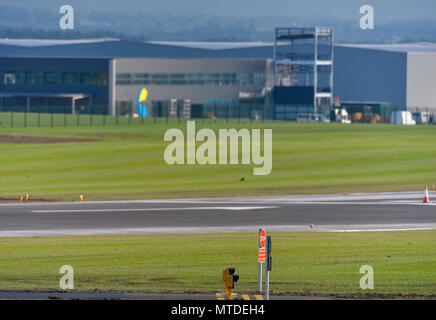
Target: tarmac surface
(340, 213)
(28, 295)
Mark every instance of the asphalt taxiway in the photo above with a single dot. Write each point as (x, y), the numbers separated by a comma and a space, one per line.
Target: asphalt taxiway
(345, 213)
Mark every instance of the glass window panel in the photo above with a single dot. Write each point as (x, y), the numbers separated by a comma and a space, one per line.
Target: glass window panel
(9, 78)
(142, 75)
(87, 78)
(103, 79)
(124, 76)
(178, 82)
(160, 76)
(291, 116)
(20, 77)
(72, 78)
(36, 77)
(124, 82)
(177, 76)
(53, 78)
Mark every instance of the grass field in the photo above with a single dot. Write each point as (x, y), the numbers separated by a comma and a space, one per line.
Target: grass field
(303, 263)
(126, 162)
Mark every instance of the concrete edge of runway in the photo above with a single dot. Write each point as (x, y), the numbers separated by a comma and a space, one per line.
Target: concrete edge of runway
(302, 198)
(227, 229)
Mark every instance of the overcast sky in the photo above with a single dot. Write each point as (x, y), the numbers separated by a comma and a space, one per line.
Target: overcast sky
(385, 10)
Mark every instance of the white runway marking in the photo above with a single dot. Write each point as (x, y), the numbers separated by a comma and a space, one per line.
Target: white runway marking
(222, 229)
(413, 197)
(150, 209)
(360, 203)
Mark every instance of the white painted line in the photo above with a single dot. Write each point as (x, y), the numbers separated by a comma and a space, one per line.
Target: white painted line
(150, 209)
(417, 195)
(360, 203)
(210, 201)
(223, 229)
(375, 230)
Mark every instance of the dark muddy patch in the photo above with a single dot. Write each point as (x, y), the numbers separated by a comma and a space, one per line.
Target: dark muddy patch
(35, 140)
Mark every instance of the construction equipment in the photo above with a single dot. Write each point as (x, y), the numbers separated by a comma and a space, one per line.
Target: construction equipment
(369, 116)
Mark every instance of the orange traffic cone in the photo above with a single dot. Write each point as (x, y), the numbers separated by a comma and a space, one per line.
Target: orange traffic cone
(426, 199)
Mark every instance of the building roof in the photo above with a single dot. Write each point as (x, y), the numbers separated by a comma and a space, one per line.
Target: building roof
(109, 47)
(214, 45)
(45, 95)
(49, 42)
(115, 48)
(407, 48)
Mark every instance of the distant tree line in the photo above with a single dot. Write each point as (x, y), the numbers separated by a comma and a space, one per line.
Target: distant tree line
(25, 23)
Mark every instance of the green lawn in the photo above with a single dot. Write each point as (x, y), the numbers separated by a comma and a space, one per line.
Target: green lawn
(308, 263)
(127, 162)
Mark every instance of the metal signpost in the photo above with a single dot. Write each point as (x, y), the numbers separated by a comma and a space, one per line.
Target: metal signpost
(268, 266)
(261, 256)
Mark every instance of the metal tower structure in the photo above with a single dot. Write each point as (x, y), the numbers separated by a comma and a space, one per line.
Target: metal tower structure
(303, 57)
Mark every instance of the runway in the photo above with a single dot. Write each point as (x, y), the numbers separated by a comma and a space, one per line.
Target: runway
(339, 213)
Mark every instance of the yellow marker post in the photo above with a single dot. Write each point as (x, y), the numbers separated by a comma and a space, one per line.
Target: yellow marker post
(81, 197)
(27, 197)
(229, 278)
(227, 283)
(21, 198)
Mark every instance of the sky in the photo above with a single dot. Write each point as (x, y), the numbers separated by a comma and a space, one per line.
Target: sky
(385, 10)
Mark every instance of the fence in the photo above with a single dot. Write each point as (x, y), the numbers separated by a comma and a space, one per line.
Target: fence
(55, 116)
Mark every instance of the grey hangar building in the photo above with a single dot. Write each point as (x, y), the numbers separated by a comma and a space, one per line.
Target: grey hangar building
(216, 79)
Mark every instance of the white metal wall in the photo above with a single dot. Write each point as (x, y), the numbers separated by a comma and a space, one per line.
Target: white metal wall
(421, 80)
(197, 93)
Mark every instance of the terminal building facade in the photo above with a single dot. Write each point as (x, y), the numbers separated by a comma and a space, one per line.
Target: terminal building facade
(195, 79)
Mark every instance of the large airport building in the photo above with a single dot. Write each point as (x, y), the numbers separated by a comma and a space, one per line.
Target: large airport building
(301, 71)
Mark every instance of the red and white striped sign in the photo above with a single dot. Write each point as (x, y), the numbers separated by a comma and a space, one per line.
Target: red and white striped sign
(263, 238)
(262, 255)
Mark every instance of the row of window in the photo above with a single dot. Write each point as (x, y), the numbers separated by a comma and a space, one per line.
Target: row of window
(59, 78)
(298, 109)
(219, 79)
(291, 112)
